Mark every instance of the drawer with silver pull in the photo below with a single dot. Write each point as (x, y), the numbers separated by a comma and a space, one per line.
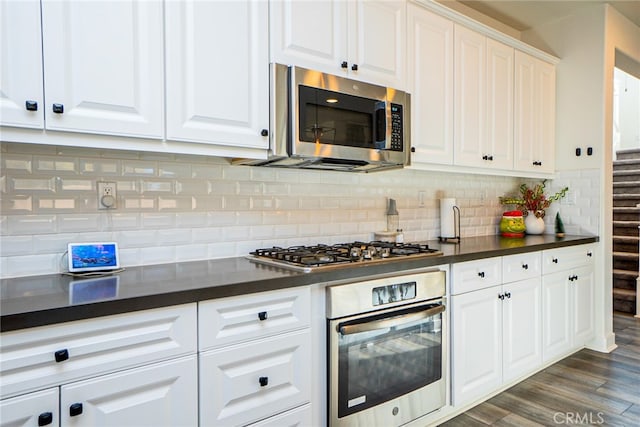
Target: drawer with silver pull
(238, 319)
(521, 266)
(559, 259)
(473, 275)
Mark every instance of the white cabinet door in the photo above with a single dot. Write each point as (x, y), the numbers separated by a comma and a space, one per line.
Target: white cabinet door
(499, 121)
(476, 344)
(163, 394)
(470, 98)
(310, 34)
(522, 328)
(583, 284)
(21, 96)
(360, 39)
(535, 112)
(557, 308)
(104, 66)
(378, 41)
(430, 47)
(29, 410)
(217, 72)
(250, 382)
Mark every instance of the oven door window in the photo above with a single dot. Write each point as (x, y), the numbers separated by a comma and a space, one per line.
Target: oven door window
(383, 357)
(334, 118)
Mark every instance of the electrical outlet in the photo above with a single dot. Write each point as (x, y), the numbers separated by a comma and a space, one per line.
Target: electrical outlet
(107, 195)
(421, 196)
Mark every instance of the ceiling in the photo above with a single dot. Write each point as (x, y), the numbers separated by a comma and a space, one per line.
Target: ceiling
(524, 14)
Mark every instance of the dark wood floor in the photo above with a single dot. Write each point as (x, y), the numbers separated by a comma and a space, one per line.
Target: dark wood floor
(587, 388)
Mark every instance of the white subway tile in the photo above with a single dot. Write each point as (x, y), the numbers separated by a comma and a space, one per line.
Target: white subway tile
(16, 204)
(156, 187)
(136, 238)
(122, 221)
(236, 233)
(53, 243)
(176, 203)
(16, 163)
(222, 218)
(236, 203)
(260, 232)
(31, 224)
(158, 220)
(139, 168)
(33, 184)
(69, 223)
(207, 235)
(158, 255)
(208, 203)
(206, 171)
(263, 174)
(49, 204)
(29, 149)
(174, 170)
(250, 218)
(55, 165)
(172, 237)
(132, 203)
(192, 252)
(19, 266)
(16, 245)
(99, 167)
(191, 219)
(71, 184)
(129, 257)
(221, 250)
(192, 187)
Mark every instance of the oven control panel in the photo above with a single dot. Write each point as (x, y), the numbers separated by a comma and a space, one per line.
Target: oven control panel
(393, 293)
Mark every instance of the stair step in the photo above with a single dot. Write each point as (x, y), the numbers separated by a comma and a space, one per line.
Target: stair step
(626, 164)
(624, 300)
(631, 153)
(626, 200)
(624, 279)
(626, 213)
(626, 243)
(625, 255)
(624, 187)
(625, 261)
(626, 175)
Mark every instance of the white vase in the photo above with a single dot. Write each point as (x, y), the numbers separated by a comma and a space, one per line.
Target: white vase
(533, 224)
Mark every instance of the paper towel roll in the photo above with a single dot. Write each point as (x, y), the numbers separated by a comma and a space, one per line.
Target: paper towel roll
(447, 218)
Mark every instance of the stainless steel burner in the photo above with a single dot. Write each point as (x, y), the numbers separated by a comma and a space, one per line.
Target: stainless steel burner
(311, 258)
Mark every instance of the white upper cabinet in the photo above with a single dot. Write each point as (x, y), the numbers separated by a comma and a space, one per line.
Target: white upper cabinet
(535, 102)
(483, 112)
(104, 67)
(21, 96)
(364, 40)
(430, 82)
(217, 71)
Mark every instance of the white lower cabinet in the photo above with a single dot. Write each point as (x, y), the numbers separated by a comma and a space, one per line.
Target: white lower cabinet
(567, 311)
(255, 352)
(496, 337)
(163, 394)
(34, 409)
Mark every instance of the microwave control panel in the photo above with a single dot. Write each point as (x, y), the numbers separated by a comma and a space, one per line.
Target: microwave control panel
(396, 127)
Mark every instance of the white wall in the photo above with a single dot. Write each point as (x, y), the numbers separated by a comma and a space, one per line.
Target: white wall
(178, 208)
(586, 43)
(626, 111)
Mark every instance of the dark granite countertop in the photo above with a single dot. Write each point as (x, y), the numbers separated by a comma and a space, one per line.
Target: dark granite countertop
(42, 300)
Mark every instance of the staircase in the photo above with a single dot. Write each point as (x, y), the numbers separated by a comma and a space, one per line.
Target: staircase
(626, 220)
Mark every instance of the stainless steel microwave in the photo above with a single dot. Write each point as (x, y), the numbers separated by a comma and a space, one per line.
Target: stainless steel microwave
(322, 121)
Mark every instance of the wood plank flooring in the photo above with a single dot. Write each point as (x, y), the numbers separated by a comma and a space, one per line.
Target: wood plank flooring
(587, 388)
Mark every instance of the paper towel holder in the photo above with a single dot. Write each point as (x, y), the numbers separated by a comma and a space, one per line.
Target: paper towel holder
(456, 226)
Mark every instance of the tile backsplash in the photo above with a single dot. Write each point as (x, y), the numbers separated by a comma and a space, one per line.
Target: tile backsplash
(178, 208)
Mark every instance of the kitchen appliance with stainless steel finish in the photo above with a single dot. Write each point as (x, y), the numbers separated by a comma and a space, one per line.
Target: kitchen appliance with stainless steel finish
(321, 257)
(387, 357)
(323, 121)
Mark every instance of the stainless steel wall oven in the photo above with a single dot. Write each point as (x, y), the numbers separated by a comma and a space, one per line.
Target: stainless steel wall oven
(387, 349)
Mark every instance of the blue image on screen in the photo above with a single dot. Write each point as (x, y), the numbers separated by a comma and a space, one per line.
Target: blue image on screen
(94, 256)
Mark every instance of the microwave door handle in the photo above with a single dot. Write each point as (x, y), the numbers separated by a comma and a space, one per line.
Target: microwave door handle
(381, 125)
(388, 323)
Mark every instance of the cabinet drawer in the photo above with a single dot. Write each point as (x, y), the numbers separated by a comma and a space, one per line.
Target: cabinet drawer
(91, 347)
(296, 417)
(521, 266)
(560, 259)
(473, 275)
(33, 409)
(237, 319)
(249, 382)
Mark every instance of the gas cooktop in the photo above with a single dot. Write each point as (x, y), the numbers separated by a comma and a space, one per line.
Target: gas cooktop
(313, 258)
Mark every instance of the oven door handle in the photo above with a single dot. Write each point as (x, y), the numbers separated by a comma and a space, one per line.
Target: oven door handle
(388, 323)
